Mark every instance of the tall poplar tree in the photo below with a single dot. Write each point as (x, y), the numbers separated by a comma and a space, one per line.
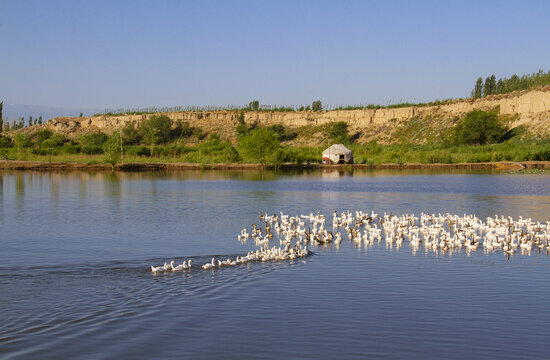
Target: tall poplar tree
(478, 88)
(500, 86)
(492, 85)
(487, 86)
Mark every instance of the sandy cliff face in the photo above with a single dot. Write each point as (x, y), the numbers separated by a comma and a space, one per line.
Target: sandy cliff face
(531, 109)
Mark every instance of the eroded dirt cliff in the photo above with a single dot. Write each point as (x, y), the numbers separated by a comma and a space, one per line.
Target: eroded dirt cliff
(416, 123)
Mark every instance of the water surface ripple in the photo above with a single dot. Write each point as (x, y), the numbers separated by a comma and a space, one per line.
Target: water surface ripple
(76, 247)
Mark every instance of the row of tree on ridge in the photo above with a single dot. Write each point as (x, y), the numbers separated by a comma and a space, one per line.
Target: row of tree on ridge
(492, 86)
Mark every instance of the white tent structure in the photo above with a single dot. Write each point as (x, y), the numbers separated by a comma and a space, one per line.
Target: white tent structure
(337, 154)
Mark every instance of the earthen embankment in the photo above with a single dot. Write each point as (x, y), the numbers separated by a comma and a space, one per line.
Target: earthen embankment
(531, 109)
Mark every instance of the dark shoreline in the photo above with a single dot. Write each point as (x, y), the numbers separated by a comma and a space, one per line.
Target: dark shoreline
(47, 166)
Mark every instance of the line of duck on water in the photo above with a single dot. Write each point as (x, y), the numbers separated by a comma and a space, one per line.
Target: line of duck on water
(264, 254)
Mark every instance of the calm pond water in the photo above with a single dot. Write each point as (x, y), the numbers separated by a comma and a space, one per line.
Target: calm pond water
(75, 251)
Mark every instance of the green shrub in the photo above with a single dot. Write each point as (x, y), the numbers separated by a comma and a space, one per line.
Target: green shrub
(53, 141)
(198, 133)
(282, 133)
(156, 129)
(47, 144)
(260, 145)
(541, 155)
(182, 130)
(113, 149)
(439, 158)
(297, 155)
(478, 128)
(58, 139)
(70, 149)
(42, 135)
(160, 151)
(242, 130)
(130, 134)
(338, 132)
(137, 150)
(212, 151)
(5, 153)
(92, 149)
(46, 151)
(92, 140)
(240, 117)
(305, 154)
(22, 141)
(5, 142)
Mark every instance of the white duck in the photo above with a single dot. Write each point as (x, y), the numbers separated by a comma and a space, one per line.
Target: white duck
(156, 269)
(209, 265)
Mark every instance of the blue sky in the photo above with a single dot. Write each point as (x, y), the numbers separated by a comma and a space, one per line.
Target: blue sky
(123, 54)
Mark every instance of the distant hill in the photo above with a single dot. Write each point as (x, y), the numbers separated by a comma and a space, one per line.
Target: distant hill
(47, 112)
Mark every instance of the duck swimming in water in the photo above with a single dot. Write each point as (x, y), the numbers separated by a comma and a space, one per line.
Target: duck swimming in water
(435, 232)
(178, 267)
(209, 265)
(156, 269)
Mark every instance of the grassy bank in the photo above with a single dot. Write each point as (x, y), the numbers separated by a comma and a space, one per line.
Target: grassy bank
(481, 136)
(437, 153)
(369, 154)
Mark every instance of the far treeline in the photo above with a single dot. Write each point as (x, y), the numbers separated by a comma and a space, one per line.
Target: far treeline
(481, 136)
(492, 86)
(19, 124)
(254, 105)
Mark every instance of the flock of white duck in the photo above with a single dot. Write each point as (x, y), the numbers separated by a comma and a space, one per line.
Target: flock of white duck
(266, 253)
(433, 232)
(446, 233)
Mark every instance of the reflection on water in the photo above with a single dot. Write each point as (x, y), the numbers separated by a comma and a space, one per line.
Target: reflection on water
(75, 248)
(87, 213)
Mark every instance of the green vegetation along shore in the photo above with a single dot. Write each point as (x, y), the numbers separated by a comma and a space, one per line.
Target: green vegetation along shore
(481, 136)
